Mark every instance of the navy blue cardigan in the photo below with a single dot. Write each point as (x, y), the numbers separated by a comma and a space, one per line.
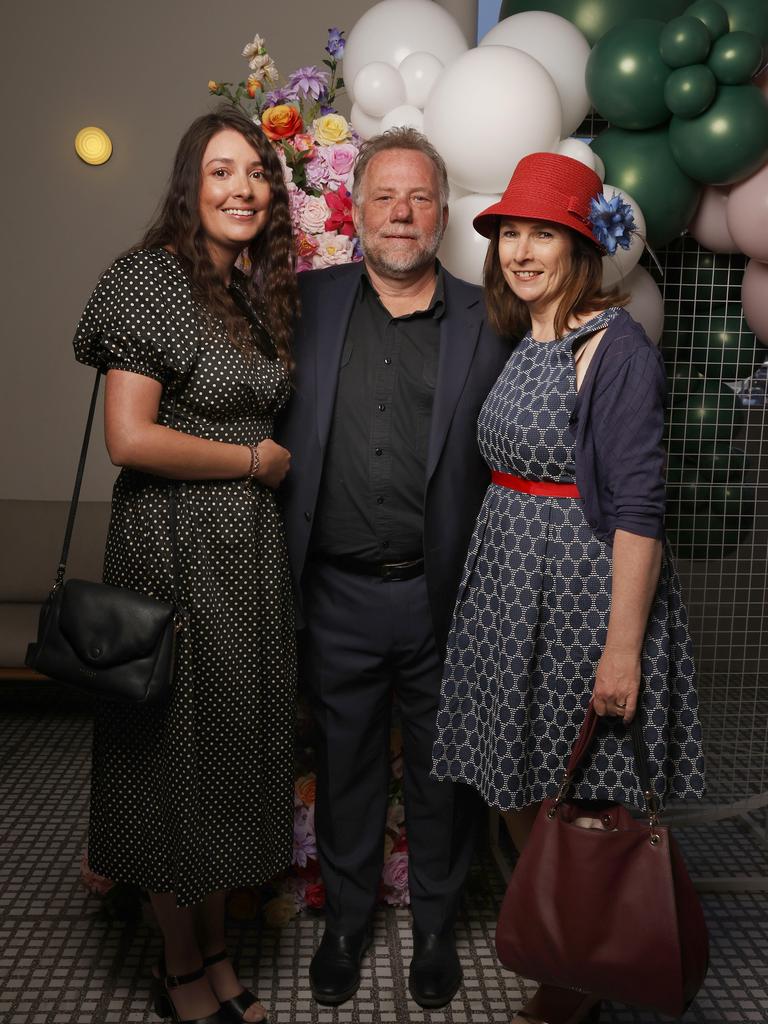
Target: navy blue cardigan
(618, 423)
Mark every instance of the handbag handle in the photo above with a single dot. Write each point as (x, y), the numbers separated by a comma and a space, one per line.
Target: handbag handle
(62, 567)
(581, 746)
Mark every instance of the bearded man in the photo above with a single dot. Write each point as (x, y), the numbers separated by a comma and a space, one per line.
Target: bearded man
(393, 362)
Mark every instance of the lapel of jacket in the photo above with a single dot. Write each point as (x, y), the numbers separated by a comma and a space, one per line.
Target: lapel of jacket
(459, 332)
(334, 313)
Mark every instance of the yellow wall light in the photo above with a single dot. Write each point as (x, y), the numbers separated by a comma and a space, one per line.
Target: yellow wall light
(93, 145)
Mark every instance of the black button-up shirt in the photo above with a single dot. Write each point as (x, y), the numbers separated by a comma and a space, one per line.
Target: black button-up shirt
(371, 501)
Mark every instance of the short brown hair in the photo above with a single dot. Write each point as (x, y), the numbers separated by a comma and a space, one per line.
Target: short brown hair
(399, 138)
(583, 291)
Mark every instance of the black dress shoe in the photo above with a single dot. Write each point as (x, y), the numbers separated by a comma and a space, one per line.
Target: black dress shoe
(435, 973)
(334, 974)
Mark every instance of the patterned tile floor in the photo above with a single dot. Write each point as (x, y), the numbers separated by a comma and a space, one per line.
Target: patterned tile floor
(62, 963)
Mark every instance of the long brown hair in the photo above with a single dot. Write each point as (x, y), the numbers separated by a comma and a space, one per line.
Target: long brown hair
(583, 291)
(271, 284)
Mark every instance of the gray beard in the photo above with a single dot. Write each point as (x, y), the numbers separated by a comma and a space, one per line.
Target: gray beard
(405, 265)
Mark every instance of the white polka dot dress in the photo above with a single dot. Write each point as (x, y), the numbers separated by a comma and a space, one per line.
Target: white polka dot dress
(532, 616)
(197, 795)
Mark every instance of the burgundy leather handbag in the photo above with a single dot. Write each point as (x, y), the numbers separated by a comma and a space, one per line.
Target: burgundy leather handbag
(602, 902)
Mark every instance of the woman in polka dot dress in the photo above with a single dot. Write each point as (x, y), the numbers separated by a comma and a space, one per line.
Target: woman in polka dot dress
(196, 797)
(569, 594)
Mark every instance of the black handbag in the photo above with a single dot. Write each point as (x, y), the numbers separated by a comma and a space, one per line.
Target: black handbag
(108, 641)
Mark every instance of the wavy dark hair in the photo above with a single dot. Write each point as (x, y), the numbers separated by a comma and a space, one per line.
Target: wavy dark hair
(271, 286)
(583, 291)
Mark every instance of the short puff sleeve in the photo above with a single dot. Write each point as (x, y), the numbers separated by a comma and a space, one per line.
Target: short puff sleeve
(140, 318)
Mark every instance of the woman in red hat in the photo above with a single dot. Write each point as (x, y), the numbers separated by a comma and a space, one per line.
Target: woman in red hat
(568, 594)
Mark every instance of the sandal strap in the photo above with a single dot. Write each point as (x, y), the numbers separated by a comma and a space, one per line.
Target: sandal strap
(240, 1003)
(215, 958)
(174, 980)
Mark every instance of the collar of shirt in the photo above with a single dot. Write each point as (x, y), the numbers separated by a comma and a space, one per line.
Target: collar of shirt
(435, 309)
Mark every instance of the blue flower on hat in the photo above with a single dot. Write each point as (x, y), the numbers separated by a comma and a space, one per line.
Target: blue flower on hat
(612, 222)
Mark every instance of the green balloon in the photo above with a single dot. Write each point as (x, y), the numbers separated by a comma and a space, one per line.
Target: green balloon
(596, 17)
(709, 412)
(721, 344)
(736, 57)
(748, 16)
(726, 143)
(708, 277)
(642, 164)
(689, 91)
(711, 14)
(716, 463)
(722, 463)
(684, 41)
(707, 519)
(625, 76)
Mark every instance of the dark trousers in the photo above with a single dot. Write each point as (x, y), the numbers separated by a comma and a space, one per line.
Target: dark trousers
(367, 640)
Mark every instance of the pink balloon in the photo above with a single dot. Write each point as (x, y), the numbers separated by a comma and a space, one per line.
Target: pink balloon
(754, 299)
(709, 226)
(747, 214)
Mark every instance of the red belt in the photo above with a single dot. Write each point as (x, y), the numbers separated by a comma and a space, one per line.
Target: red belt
(546, 488)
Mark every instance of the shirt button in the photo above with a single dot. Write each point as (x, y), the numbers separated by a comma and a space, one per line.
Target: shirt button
(308, 516)
(378, 451)
(385, 543)
(387, 360)
(382, 407)
(379, 500)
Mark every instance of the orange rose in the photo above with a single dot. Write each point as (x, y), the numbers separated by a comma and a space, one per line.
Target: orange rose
(281, 122)
(305, 789)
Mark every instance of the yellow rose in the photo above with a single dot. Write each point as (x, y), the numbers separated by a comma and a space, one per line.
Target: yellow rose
(279, 911)
(330, 129)
(305, 784)
(213, 86)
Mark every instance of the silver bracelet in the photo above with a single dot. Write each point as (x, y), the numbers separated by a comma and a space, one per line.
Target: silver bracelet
(255, 461)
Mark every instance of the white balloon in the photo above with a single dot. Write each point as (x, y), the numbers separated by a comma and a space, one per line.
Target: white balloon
(420, 71)
(378, 88)
(393, 29)
(365, 125)
(578, 150)
(489, 108)
(404, 116)
(559, 47)
(463, 250)
(599, 166)
(645, 303)
(618, 267)
(457, 191)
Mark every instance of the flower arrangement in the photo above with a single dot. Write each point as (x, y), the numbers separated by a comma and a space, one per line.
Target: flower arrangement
(315, 144)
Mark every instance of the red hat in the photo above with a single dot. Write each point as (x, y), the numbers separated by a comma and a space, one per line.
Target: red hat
(546, 186)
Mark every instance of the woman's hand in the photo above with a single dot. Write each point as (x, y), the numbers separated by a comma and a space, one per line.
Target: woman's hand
(274, 463)
(617, 684)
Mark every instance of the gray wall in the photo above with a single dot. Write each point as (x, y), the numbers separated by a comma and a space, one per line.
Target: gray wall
(139, 70)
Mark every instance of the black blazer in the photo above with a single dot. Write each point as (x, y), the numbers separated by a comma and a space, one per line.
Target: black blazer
(471, 358)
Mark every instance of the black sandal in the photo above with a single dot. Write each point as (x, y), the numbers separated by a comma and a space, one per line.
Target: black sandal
(164, 1005)
(234, 1008)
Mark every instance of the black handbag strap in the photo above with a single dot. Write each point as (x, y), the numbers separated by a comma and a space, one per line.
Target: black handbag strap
(62, 567)
(584, 741)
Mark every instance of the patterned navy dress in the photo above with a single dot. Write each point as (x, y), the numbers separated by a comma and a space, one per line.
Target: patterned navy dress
(532, 615)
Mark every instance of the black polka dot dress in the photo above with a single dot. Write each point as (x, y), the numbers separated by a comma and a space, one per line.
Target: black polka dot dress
(196, 795)
(532, 616)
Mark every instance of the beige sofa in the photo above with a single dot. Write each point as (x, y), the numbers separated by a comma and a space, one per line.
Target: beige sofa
(31, 533)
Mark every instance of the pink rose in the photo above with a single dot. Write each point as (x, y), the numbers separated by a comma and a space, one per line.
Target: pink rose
(314, 213)
(339, 160)
(395, 878)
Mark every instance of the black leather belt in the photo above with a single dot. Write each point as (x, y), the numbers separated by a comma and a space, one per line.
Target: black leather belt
(391, 571)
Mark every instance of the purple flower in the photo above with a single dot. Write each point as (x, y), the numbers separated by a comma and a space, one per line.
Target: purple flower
(395, 878)
(612, 222)
(277, 96)
(336, 43)
(310, 82)
(304, 843)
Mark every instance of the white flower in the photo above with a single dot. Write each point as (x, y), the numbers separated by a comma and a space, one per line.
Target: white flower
(313, 216)
(333, 249)
(252, 49)
(287, 171)
(263, 67)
